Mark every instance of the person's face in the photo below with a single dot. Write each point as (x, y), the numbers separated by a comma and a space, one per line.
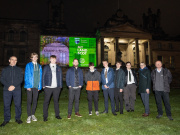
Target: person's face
(53, 60)
(118, 65)
(91, 67)
(142, 65)
(105, 64)
(128, 66)
(75, 63)
(13, 61)
(34, 58)
(158, 64)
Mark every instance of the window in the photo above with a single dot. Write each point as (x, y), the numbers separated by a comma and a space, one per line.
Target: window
(160, 58)
(159, 46)
(171, 62)
(11, 36)
(23, 36)
(170, 46)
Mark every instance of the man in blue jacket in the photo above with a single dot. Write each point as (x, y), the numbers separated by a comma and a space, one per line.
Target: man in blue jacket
(32, 79)
(107, 77)
(74, 81)
(52, 83)
(11, 78)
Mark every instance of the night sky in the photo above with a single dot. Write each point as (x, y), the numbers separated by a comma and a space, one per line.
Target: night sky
(83, 15)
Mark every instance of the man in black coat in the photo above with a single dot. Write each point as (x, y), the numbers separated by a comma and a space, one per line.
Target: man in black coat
(161, 78)
(130, 88)
(11, 78)
(119, 78)
(52, 84)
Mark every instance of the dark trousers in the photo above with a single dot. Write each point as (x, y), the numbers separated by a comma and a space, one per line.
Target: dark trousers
(130, 96)
(32, 97)
(165, 96)
(118, 98)
(90, 95)
(74, 94)
(145, 100)
(48, 92)
(7, 98)
(109, 92)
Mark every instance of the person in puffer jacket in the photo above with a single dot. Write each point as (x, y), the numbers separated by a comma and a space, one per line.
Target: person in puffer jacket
(92, 79)
(32, 79)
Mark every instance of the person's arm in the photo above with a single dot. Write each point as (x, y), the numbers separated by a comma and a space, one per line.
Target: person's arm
(169, 76)
(3, 79)
(111, 79)
(148, 87)
(122, 80)
(40, 78)
(81, 76)
(86, 79)
(99, 77)
(43, 76)
(102, 79)
(67, 78)
(61, 77)
(27, 77)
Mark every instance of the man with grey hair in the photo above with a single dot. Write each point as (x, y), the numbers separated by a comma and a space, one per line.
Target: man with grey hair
(11, 78)
(161, 78)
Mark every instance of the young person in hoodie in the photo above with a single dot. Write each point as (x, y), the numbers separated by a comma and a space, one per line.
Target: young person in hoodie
(144, 86)
(92, 79)
(32, 79)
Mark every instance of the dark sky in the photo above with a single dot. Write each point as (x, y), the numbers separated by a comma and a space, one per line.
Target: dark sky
(83, 15)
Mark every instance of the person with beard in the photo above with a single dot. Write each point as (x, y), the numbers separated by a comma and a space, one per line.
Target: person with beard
(92, 79)
(74, 81)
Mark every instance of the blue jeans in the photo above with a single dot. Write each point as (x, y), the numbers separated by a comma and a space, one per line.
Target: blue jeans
(7, 97)
(109, 92)
(145, 100)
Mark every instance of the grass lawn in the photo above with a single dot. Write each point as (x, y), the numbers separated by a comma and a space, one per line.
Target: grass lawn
(131, 123)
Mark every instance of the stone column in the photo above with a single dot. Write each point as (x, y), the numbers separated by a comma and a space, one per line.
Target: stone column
(102, 49)
(149, 53)
(136, 53)
(117, 46)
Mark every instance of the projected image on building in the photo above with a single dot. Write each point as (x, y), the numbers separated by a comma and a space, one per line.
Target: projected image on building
(53, 45)
(68, 48)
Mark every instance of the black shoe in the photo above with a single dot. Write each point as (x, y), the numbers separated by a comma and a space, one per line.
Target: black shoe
(19, 121)
(104, 112)
(128, 110)
(170, 118)
(4, 123)
(58, 117)
(132, 110)
(116, 110)
(45, 119)
(159, 116)
(121, 112)
(114, 113)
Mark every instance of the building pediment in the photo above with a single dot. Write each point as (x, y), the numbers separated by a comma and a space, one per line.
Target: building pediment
(126, 31)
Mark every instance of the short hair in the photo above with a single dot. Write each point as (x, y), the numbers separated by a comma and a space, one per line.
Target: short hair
(105, 61)
(33, 54)
(143, 63)
(53, 56)
(157, 61)
(75, 59)
(119, 62)
(12, 56)
(128, 62)
(91, 64)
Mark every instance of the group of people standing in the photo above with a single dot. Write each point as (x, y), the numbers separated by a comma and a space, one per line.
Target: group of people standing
(119, 85)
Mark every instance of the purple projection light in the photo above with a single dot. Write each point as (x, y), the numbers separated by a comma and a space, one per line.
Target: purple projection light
(60, 50)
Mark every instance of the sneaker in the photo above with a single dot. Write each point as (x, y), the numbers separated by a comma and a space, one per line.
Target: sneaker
(29, 119)
(159, 116)
(69, 116)
(33, 118)
(170, 118)
(78, 115)
(4, 123)
(19, 121)
(97, 113)
(90, 113)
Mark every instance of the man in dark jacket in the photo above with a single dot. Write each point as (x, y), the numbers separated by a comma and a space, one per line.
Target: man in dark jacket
(52, 84)
(74, 81)
(130, 88)
(144, 86)
(93, 80)
(119, 77)
(11, 78)
(161, 78)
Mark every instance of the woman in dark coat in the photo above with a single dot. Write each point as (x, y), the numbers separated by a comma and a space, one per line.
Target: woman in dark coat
(144, 86)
